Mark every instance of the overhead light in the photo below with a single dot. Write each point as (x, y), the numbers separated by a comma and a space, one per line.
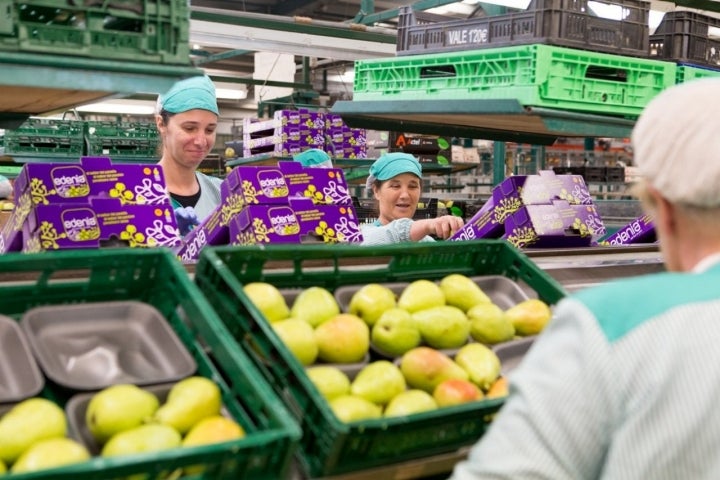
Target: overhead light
(120, 107)
(230, 91)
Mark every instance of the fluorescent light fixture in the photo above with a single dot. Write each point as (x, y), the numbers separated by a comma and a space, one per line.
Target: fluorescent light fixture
(122, 107)
(230, 91)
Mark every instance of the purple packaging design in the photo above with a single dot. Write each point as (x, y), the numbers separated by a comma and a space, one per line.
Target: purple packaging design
(11, 235)
(325, 186)
(255, 185)
(557, 225)
(102, 220)
(213, 230)
(515, 192)
(261, 224)
(640, 230)
(326, 223)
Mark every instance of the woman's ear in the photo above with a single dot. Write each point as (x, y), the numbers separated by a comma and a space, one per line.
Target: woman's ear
(159, 123)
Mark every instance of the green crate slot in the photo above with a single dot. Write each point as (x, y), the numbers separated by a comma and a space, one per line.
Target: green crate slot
(535, 75)
(157, 278)
(685, 73)
(144, 31)
(135, 130)
(329, 446)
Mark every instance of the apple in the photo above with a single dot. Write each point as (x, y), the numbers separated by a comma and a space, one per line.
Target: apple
(371, 301)
(268, 299)
(345, 338)
(395, 332)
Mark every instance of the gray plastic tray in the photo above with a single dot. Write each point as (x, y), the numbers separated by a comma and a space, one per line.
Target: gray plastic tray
(20, 376)
(94, 345)
(511, 353)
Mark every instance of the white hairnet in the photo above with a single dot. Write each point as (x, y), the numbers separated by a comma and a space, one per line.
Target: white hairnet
(676, 143)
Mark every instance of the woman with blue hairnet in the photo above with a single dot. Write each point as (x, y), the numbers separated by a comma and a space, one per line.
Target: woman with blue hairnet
(395, 181)
(187, 119)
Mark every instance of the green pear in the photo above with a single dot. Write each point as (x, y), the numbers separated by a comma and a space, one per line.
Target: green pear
(371, 301)
(456, 391)
(152, 437)
(350, 408)
(378, 382)
(189, 401)
(481, 364)
(49, 453)
(299, 336)
(489, 324)
(3, 468)
(330, 380)
(28, 422)
(462, 292)
(268, 299)
(213, 429)
(409, 402)
(395, 332)
(315, 305)
(345, 338)
(425, 368)
(117, 408)
(443, 327)
(529, 317)
(421, 295)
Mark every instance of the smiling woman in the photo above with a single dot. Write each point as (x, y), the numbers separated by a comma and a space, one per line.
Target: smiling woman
(187, 119)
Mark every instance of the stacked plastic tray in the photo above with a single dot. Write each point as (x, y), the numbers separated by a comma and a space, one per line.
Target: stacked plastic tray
(122, 140)
(154, 31)
(45, 137)
(329, 446)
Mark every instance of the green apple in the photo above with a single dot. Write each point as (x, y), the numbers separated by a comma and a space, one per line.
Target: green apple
(425, 368)
(481, 364)
(395, 332)
(152, 437)
(315, 305)
(378, 382)
(345, 338)
(409, 402)
(299, 337)
(28, 422)
(462, 292)
(330, 380)
(489, 324)
(49, 453)
(456, 391)
(117, 408)
(529, 317)
(443, 327)
(421, 295)
(268, 299)
(351, 408)
(371, 301)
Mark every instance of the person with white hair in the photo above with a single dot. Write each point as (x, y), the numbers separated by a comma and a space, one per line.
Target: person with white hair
(395, 181)
(623, 383)
(187, 119)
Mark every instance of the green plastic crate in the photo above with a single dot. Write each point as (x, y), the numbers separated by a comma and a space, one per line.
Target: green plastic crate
(157, 278)
(328, 446)
(155, 31)
(685, 73)
(45, 137)
(535, 75)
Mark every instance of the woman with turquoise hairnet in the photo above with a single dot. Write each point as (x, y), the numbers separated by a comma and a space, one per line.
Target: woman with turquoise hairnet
(187, 119)
(395, 181)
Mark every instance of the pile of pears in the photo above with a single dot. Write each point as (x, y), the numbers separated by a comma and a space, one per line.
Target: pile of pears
(424, 379)
(443, 315)
(125, 419)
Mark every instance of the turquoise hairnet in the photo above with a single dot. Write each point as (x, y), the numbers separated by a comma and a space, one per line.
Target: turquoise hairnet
(393, 164)
(190, 94)
(313, 157)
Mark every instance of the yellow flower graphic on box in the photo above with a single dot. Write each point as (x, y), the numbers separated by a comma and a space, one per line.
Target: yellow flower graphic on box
(133, 236)
(49, 236)
(120, 191)
(249, 192)
(40, 192)
(261, 230)
(312, 192)
(522, 236)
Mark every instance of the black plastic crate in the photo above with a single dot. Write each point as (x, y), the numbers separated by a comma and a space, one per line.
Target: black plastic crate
(684, 36)
(615, 175)
(568, 23)
(366, 209)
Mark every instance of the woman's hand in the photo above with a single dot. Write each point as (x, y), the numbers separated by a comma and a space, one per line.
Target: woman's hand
(441, 227)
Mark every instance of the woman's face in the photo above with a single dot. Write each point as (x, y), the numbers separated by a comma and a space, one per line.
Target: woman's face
(398, 197)
(189, 136)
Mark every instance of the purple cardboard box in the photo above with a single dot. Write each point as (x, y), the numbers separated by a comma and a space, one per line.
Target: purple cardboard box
(214, 230)
(11, 235)
(261, 224)
(256, 185)
(515, 192)
(92, 177)
(101, 222)
(325, 186)
(640, 230)
(557, 225)
(326, 223)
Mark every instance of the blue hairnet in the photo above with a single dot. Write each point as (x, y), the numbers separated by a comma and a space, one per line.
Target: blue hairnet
(393, 164)
(189, 94)
(313, 157)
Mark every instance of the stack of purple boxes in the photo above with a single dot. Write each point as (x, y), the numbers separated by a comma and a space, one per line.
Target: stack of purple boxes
(544, 210)
(343, 141)
(90, 204)
(283, 203)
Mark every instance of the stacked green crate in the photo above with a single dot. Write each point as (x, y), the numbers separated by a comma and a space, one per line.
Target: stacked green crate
(45, 138)
(154, 31)
(122, 140)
